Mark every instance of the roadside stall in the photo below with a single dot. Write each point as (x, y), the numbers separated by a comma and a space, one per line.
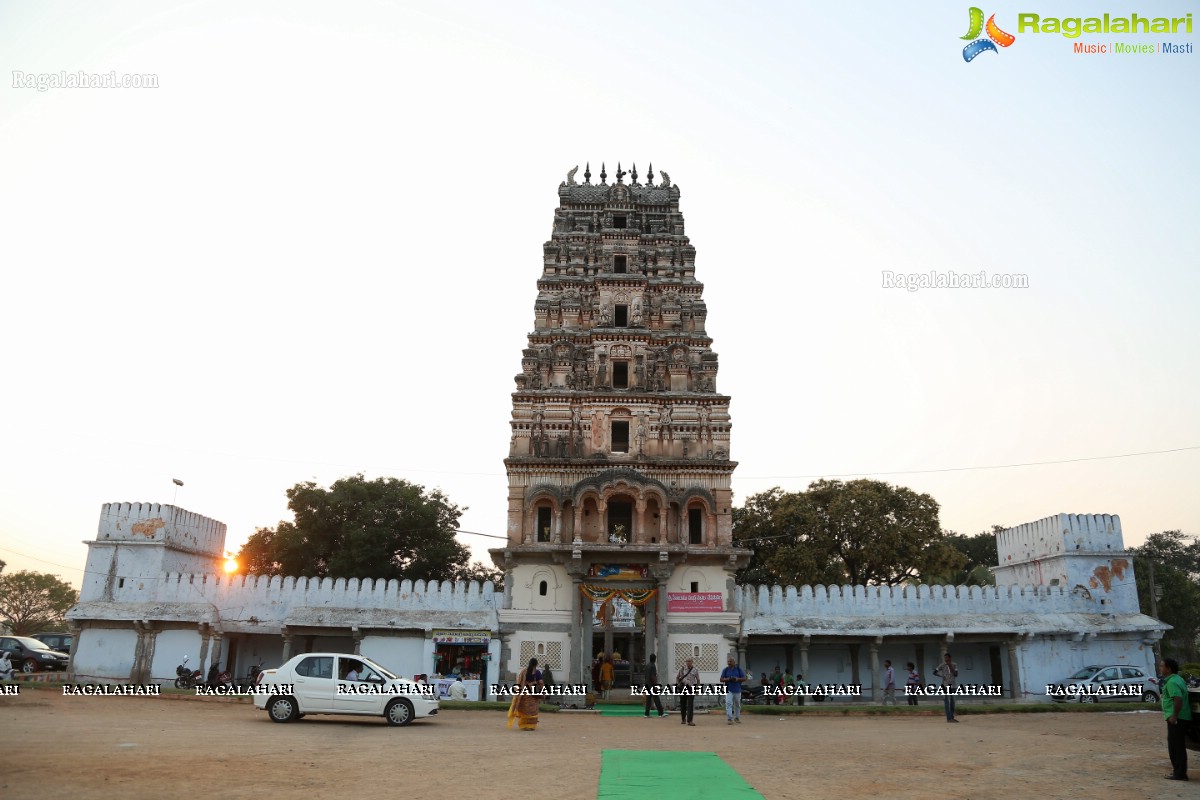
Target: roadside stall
(460, 653)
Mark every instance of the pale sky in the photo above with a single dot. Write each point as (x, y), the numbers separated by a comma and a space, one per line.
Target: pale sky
(312, 250)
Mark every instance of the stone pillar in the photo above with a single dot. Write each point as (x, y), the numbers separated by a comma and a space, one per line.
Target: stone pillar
(143, 657)
(575, 671)
(602, 512)
(663, 533)
(1015, 690)
(148, 656)
(76, 631)
(876, 694)
(742, 644)
(556, 525)
(139, 647)
(855, 648)
(218, 639)
(664, 655)
(205, 636)
(639, 521)
(803, 648)
(710, 529)
(357, 635)
(287, 645)
(578, 533)
(650, 615)
(585, 641)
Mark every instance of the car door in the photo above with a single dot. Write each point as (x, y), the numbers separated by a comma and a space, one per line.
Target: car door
(315, 685)
(1131, 679)
(359, 696)
(1108, 678)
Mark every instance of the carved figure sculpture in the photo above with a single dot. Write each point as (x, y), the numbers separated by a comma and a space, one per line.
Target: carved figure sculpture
(571, 175)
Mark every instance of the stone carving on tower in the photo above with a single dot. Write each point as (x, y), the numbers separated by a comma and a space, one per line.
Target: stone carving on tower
(620, 445)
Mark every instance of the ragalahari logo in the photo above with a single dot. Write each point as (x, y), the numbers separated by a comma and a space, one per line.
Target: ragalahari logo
(994, 34)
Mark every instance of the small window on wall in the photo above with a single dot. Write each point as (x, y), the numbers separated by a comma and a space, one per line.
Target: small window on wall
(622, 317)
(619, 264)
(620, 437)
(543, 524)
(695, 587)
(619, 221)
(695, 529)
(543, 587)
(620, 374)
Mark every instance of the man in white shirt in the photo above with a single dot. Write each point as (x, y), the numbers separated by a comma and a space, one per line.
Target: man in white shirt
(889, 683)
(458, 690)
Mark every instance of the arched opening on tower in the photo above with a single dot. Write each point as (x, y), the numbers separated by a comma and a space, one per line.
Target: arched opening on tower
(695, 525)
(620, 519)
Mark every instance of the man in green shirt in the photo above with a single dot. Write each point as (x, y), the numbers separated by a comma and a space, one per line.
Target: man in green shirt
(1177, 710)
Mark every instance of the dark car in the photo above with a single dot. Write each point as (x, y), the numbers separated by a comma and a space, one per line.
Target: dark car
(30, 655)
(56, 641)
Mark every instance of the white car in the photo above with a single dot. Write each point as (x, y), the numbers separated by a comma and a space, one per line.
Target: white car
(1107, 684)
(339, 683)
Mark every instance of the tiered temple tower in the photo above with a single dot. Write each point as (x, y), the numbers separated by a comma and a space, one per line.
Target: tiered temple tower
(619, 466)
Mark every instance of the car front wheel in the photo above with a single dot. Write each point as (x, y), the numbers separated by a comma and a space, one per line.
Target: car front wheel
(281, 709)
(399, 712)
(29, 665)
(1149, 697)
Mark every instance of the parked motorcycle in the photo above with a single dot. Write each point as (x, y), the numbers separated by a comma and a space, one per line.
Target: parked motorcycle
(251, 678)
(218, 678)
(186, 678)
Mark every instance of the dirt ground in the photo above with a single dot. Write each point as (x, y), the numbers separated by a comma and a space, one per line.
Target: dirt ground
(126, 747)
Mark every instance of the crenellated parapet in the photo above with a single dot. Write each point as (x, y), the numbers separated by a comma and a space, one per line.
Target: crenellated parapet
(1058, 535)
(162, 524)
(1082, 553)
(222, 590)
(875, 601)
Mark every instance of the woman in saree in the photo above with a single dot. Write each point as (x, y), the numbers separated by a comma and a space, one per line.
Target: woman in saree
(524, 707)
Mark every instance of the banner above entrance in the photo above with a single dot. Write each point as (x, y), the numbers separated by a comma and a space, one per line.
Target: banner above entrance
(619, 572)
(461, 637)
(694, 601)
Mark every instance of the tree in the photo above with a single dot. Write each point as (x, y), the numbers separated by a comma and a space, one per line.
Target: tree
(33, 601)
(980, 554)
(1176, 559)
(860, 532)
(383, 528)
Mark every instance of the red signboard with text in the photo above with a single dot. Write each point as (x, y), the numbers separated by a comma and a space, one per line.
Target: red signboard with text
(694, 601)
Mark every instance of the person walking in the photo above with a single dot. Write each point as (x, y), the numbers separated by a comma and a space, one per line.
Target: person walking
(912, 684)
(687, 679)
(652, 687)
(733, 677)
(1177, 710)
(889, 683)
(606, 676)
(948, 672)
(523, 711)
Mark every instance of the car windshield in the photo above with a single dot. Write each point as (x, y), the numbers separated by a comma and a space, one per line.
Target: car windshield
(385, 673)
(32, 644)
(1085, 673)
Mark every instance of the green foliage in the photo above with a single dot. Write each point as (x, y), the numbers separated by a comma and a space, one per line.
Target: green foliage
(981, 555)
(1176, 560)
(383, 528)
(31, 602)
(860, 532)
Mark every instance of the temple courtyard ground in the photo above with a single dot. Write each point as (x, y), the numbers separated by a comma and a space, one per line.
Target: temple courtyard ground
(129, 747)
